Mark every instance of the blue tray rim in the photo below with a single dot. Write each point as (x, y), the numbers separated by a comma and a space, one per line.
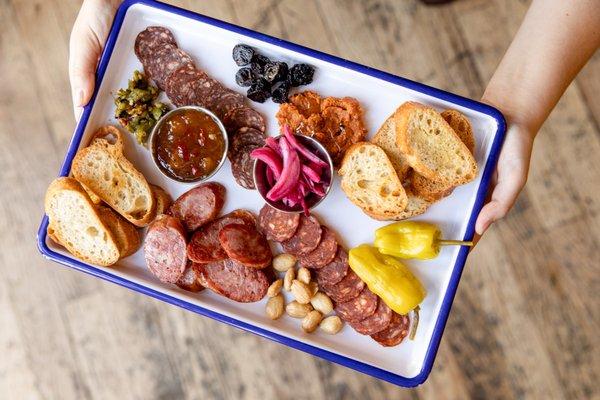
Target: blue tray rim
(325, 354)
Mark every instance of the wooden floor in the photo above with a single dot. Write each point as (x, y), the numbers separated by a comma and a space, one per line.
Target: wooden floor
(526, 317)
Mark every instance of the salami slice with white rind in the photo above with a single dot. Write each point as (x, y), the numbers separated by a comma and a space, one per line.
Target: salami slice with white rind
(358, 308)
(396, 331)
(306, 238)
(375, 323)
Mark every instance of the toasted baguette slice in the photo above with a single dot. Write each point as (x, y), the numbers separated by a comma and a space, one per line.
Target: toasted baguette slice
(386, 139)
(76, 224)
(125, 233)
(105, 171)
(416, 206)
(370, 181)
(162, 199)
(462, 127)
(93, 197)
(431, 147)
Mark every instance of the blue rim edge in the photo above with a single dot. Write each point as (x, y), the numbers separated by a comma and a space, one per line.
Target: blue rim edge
(339, 359)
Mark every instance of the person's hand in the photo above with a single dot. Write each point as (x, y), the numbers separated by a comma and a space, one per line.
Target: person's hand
(87, 41)
(509, 178)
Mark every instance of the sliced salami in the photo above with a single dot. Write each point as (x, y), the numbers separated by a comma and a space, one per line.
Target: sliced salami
(199, 205)
(335, 271)
(246, 245)
(358, 308)
(150, 39)
(242, 166)
(235, 281)
(245, 137)
(180, 86)
(396, 331)
(165, 249)
(346, 289)
(323, 254)
(242, 117)
(277, 225)
(164, 61)
(222, 103)
(306, 238)
(375, 323)
(190, 280)
(205, 89)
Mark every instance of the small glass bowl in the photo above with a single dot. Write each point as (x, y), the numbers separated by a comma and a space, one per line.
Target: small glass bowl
(262, 186)
(162, 120)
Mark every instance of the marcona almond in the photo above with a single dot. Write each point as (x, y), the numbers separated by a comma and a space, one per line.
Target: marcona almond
(275, 288)
(331, 325)
(311, 321)
(303, 275)
(313, 286)
(290, 275)
(301, 292)
(297, 310)
(275, 306)
(283, 262)
(322, 303)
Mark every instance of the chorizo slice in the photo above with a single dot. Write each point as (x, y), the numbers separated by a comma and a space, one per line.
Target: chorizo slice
(335, 271)
(396, 331)
(190, 280)
(199, 205)
(277, 225)
(165, 249)
(358, 308)
(246, 245)
(235, 281)
(375, 323)
(323, 254)
(306, 238)
(346, 289)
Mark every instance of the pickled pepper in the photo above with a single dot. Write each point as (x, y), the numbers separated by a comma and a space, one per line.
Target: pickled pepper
(412, 239)
(387, 277)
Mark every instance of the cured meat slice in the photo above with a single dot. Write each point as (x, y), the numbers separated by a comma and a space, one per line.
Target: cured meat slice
(335, 271)
(199, 205)
(323, 254)
(396, 331)
(375, 323)
(242, 166)
(245, 137)
(165, 249)
(222, 103)
(242, 117)
(235, 281)
(306, 238)
(358, 308)
(277, 225)
(164, 61)
(180, 86)
(190, 279)
(246, 245)
(346, 289)
(150, 39)
(205, 89)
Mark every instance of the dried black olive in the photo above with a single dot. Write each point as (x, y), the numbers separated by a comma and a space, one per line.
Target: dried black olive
(275, 71)
(245, 77)
(260, 91)
(242, 54)
(301, 74)
(281, 92)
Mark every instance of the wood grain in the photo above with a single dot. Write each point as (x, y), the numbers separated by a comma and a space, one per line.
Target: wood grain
(525, 318)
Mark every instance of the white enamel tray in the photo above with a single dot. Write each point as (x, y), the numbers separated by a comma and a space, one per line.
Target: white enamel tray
(209, 42)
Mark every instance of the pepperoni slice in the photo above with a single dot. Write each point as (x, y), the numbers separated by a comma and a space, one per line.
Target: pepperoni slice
(246, 245)
(165, 249)
(306, 238)
(335, 271)
(346, 289)
(277, 225)
(358, 308)
(396, 331)
(375, 323)
(199, 205)
(235, 281)
(324, 253)
(190, 280)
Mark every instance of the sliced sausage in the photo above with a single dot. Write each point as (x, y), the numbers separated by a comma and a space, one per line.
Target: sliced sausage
(346, 289)
(323, 254)
(396, 331)
(190, 280)
(246, 245)
(277, 225)
(242, 117)
(306, 238)
(335, 271)
(358, 308)
(165, 249)
(375, 323)
(150, 39)
(199, 205)
(235, 281)
(164, 61)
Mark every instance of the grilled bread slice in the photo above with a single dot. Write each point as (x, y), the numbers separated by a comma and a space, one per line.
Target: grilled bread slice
(76, 225)
(386, 139)
(162, 199)
(125, 233)
(103, 168)
(370, 181)
(431, 147)
(432, 190)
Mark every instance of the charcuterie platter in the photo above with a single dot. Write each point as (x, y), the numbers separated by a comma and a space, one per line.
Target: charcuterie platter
(275, 188)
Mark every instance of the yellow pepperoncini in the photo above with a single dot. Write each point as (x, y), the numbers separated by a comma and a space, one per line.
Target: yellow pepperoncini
(412, 239)
(387, 277)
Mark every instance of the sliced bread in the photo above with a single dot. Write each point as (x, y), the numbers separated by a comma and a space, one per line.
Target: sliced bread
(386, 139)
(370, 181)
(431, 146)
(125, 233)
(461, 126)
(163, 199)
(103, 168)
(76, 225)
(93, 197)
(415, 206)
